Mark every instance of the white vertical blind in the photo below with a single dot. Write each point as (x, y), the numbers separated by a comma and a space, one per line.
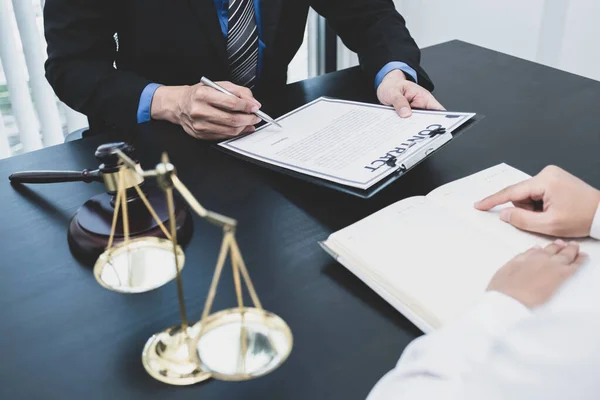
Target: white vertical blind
(315, 44)
(43, 96)
(4, 146)
(14, 69)
(345, 57)
(75, 120)
(32, 106)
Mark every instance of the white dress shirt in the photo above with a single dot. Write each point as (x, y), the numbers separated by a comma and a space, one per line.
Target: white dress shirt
(501, 350)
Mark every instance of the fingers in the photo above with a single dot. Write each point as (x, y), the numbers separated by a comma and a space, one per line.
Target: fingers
(248, 129)
(555, 247)
(423, 99)
(240, 91)
(534, 249)
(224, 101)
(526, 220)
(572, 259)
(515, 193)
(201, 129)
(433, 104)
(403, 95)
(564, 253)
(401, 105)
(580, 260)
(525, 204)
(213, 115)
(569, 253)
(206, 135)
(216, 116)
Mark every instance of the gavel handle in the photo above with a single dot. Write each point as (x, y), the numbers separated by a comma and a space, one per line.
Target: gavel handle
(86, 176)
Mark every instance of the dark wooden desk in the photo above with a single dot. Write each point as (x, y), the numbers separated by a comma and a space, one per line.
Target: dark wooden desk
(65, 337)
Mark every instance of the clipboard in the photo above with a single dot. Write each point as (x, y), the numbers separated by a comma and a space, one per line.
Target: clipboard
(403, 167)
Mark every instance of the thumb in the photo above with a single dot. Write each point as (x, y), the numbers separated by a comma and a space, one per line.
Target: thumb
(401, 105)
(533, 221)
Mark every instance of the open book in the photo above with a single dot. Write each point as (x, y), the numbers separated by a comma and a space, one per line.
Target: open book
(432, 256)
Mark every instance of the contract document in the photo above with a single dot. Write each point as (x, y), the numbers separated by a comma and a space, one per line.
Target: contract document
(352, 144)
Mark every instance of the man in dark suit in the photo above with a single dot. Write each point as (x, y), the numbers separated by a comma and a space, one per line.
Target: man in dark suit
(122, 62)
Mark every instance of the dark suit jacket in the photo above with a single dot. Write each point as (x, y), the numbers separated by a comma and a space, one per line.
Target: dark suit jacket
(176, 42)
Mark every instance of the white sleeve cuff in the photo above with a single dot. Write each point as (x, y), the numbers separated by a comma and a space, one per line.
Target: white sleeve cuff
(496, 312)
(595, 230)
(433, 365)
(467, 339)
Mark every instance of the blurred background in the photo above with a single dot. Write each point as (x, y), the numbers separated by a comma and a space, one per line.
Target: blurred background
(557, 33)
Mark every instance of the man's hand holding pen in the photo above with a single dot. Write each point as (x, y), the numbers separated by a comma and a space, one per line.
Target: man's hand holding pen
(206, 113)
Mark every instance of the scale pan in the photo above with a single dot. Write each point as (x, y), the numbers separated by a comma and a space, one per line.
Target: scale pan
(139, 266)
(243, 343)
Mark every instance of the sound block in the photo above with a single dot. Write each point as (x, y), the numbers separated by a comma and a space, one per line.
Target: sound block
(90, 227)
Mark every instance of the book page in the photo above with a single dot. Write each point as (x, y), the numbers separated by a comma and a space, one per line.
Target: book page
(432, 256)
(429, 258)
(346, 142)
(459, 197)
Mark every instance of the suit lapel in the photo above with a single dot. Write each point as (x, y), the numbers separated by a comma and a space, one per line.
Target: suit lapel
(270, 12)
(206, 12)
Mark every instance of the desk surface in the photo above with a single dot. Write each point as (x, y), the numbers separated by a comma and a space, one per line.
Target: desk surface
(65, 337)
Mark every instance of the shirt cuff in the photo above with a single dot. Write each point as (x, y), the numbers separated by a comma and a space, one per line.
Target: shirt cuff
(435, 363)
(595, 230)
(487, 320)
(391, 66)
(496, 312)
(143, 112)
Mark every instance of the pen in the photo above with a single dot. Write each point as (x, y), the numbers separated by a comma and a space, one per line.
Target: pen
(259, 113)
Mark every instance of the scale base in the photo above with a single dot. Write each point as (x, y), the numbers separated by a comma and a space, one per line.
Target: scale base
(170, 357)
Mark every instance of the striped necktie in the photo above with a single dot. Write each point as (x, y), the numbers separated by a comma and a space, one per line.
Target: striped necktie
(242, 43)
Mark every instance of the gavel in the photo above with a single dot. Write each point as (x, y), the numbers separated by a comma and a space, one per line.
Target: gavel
(107, 171)
(89, 229)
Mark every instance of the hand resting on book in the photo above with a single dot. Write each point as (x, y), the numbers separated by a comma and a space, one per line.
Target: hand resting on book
(553, 202)
(533, 277)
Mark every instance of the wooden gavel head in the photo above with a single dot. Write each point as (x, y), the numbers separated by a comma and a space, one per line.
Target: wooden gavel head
(90, 227)
(111, 165)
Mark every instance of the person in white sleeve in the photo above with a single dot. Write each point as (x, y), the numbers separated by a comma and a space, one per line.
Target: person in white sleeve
(520, 342)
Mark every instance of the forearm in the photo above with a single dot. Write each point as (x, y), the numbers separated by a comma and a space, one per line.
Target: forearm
(435, 365)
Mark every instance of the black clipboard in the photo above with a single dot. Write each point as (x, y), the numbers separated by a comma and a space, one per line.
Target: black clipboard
(401, 169)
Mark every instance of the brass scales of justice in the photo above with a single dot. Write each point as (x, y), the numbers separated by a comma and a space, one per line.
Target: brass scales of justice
(234, 344)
